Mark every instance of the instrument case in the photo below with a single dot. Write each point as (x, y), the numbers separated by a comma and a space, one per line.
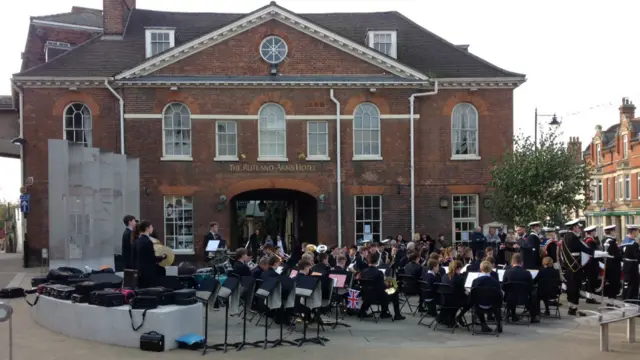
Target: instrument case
(79, 299)
(187, 301)
(152, 341)
(184, 294)
(86, 287)
(106, 298)
(144, 302)
(164, 295)
(38, 280)
(11, 293)
(187, 281)
(128, 294)
(62, 292)
(106, 281)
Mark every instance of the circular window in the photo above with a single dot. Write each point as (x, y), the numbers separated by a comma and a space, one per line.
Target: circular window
(273, 49)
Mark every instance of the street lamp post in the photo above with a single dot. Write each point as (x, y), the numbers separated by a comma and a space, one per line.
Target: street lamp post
(554, 122)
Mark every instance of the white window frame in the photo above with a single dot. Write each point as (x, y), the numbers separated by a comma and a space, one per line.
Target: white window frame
(476, 154)
(228, 157)
(627, 186)
(262, 157)
(88, 133)
(393, 51)
(148, 32)
(378, 156)
(370, 221)
(620, 194)
(175, 224)
(172, 157)
(598, 154)
(475, 220)
(318, 157)
(600, 191)
(625, 146)
(638, 184)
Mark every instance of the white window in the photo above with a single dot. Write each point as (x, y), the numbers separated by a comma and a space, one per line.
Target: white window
(638, 184)
(619, 191)
(317, 140)
(272, 133)
(625, 146)
(226, 140)
(178, 223)
(600, 190)
(465, 216)
(368, 217)
(77, 124)
(464, 131)
(177, 131)
(629, 219)
(627, 187)
(366, 132)
(384, 41)
(159, 40)
(598, 154)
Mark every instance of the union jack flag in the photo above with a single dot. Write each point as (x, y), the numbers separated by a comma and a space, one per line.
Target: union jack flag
(353, 301)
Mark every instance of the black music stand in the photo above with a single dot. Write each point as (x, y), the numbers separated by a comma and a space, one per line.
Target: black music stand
(338, 278)
(270, 292)
(309, 288)
(248, 284)
(206, 292)
(229, 293)
(287, 303)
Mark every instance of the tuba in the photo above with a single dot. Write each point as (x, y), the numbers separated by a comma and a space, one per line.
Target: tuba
(311, 248)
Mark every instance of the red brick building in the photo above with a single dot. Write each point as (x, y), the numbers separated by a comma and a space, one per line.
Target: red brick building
(227, 108)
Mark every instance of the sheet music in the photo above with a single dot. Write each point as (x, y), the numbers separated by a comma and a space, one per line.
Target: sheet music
(338, 279)
(584, 258)
(279, 270)
(464, 269)
(212, 245)
(501, 274)
(534, 273)
(601, 254)
(293, 273)
(470, 277)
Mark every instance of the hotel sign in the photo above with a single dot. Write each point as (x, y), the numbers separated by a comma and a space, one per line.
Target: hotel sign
(273, 168)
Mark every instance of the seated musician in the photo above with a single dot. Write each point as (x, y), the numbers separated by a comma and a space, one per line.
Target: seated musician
(488, 252)
(548, 275)
(413, 268)
(377, 277)
(517, 273)
(240, 266)
(341, 266)
(493, 273)
(431, 275)
(263, 265)
(486, 280)
(459, 297)
(271, 271)
(474, 266)
(440, 259)
(322, 267)
(304, 267)
(308, 257)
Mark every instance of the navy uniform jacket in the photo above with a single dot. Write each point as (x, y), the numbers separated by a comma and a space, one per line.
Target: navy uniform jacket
(126, 249)
(413, 269)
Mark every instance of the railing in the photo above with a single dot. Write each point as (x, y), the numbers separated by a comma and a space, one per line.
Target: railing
(628, 311)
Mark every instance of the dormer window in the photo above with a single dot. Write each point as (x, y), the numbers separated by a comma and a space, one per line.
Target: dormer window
(385, 41)
(159, 40)
(598, 154)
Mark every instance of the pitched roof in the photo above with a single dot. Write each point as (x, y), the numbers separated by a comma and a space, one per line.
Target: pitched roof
(77, 16)
(417, 47)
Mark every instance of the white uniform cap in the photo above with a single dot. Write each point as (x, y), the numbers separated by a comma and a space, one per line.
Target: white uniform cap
(384, 241)
(548, 229)
(572, 222)
(633, 227)
(534, 223)
(610, 227)
(562, 232)
(590, 228)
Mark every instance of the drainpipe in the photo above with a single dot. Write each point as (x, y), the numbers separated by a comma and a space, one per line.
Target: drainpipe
(121, 100)
(412, 151)
(25, 242)
(338, 167)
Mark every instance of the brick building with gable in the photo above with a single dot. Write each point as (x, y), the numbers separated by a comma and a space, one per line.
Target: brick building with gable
(315, 109)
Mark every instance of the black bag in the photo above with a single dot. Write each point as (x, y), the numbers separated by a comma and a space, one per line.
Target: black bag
(63, 292)
(164, 295)
(144, 302)
(169, 282)
(79, 298)
(183, 294)
(86, 288)
(63, 275)
(186, 268)
(106, 298)
(11, 293)
(38, 280)
(187, 301)
(106, 281)
(187, 281)
(152, 341)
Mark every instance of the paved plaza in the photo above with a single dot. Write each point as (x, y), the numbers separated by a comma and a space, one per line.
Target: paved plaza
(557, 339)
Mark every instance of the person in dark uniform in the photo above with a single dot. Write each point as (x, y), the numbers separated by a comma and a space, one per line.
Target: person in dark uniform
(486, 280)
(613, 267)
(517, 273)
(376, 276)
(130, 223)
(322, 267)
(630, 257)
(571, 255)
(145, 259)
(240, 266)
(531, 249)
(592, 268)
(214, 234)
(254, 244)
(551, 247)
(413, 268)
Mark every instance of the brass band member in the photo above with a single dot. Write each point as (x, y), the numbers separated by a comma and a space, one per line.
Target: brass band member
(377, 280)
(214, 234)
(613, 265)
(571, 254)
(531, 247)
(630, 257)
(592, 268)
(145, 256)
(130, 223)
(240, 267)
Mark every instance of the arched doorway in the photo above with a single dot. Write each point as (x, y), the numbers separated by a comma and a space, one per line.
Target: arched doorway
(292, 214)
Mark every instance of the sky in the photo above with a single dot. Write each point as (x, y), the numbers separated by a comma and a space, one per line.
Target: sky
(578, 55)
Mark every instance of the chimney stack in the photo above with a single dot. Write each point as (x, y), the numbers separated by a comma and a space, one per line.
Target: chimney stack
(114, 17)
(627, 109)
(575, 146)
